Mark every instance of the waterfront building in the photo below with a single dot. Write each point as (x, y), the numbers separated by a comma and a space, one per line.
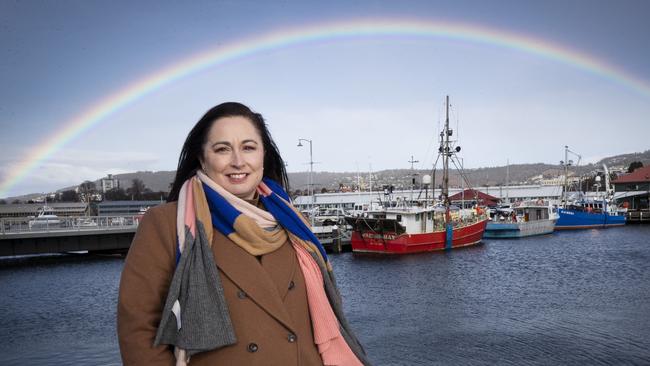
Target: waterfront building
(469, 197)
(124, 208)
(556, 181)
(57, 208)
(357, 200)
(109, 183)
(632, 191)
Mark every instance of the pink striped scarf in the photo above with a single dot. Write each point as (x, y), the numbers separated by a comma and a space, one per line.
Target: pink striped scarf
(192, 206)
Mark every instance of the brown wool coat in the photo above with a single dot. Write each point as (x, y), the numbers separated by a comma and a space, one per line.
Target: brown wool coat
(266, 298)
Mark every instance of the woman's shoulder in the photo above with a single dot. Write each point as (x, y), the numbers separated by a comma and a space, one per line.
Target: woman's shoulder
(159, 218)
(156, 230)
(164, 210)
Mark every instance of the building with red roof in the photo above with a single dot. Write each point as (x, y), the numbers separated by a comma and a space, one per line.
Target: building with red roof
(470, 196)
(632, 191)
(640, 176)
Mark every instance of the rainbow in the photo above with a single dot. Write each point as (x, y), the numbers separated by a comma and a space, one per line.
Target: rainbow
(288, 37)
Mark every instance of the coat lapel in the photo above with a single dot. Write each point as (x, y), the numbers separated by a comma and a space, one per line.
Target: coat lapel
(281, 266)
(248, 274)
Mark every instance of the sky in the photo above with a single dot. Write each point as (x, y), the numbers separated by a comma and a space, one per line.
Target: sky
(525, 78)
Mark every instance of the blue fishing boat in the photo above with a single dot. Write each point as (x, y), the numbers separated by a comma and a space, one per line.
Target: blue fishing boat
(579, 212)
(588, 215)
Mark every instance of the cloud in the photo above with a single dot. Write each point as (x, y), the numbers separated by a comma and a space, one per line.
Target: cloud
(105, 159)
(70, 167)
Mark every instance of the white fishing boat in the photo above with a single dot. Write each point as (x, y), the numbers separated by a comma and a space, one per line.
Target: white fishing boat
(46, 219)
(522, 219)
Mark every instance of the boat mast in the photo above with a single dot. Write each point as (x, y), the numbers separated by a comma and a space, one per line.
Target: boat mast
(607, 195)
(412, 161)
(445, 161)
(370, 178)
(608, 191)
(566, 163)
(446, 152)
(508, 181)
(566, 174)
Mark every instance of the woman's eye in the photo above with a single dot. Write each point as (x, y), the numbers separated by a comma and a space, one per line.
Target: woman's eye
(221, 149)
(250, 148)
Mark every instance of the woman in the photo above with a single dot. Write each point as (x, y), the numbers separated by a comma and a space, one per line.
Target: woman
(227, 272)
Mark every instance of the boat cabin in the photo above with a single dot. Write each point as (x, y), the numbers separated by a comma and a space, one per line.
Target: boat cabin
(415, 220)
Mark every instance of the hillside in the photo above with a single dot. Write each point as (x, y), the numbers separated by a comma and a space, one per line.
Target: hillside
(400, 178)
(491, 176)
(156, 181)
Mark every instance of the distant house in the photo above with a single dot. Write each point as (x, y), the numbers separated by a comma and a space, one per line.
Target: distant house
(470, 197)
(633, 190)
(109, 183)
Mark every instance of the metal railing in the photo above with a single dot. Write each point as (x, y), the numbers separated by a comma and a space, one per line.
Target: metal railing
(11, 225)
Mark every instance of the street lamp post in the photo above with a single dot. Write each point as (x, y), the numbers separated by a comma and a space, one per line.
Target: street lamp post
(310, 188)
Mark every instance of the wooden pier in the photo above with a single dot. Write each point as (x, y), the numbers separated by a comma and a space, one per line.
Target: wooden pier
(333, 239)
(18, 236)
(638, 216)
(105, 234)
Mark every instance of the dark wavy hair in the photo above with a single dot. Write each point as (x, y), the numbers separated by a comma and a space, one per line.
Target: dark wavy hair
(189, 160)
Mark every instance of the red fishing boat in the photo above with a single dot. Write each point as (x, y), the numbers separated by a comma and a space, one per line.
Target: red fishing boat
(406, 227)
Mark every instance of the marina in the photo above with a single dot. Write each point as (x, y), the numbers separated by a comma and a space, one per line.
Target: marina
(568, 298)
(417, 271)
(424, 273)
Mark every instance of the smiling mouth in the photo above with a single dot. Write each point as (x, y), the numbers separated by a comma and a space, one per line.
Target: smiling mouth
(237, 177)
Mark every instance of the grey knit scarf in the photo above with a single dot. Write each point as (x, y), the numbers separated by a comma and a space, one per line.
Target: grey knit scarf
(196, 285)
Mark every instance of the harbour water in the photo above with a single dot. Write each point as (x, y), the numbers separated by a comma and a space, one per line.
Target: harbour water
(576, 297)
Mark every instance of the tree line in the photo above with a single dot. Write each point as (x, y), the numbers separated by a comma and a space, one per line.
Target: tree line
(89, 192)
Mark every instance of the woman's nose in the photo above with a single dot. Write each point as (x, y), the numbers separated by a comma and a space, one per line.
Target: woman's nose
(236, 159)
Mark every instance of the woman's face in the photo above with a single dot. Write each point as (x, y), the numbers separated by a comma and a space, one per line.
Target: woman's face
(233, 155)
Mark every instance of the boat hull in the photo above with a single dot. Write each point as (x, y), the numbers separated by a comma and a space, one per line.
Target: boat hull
(513, 230)
(389, 243)
(575, 219)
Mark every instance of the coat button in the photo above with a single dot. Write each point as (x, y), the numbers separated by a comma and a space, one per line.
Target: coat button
(241, 294)
(291, 338)
(292, 285)
(252, 347)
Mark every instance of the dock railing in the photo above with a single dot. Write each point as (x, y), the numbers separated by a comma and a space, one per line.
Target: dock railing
(11, 225)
